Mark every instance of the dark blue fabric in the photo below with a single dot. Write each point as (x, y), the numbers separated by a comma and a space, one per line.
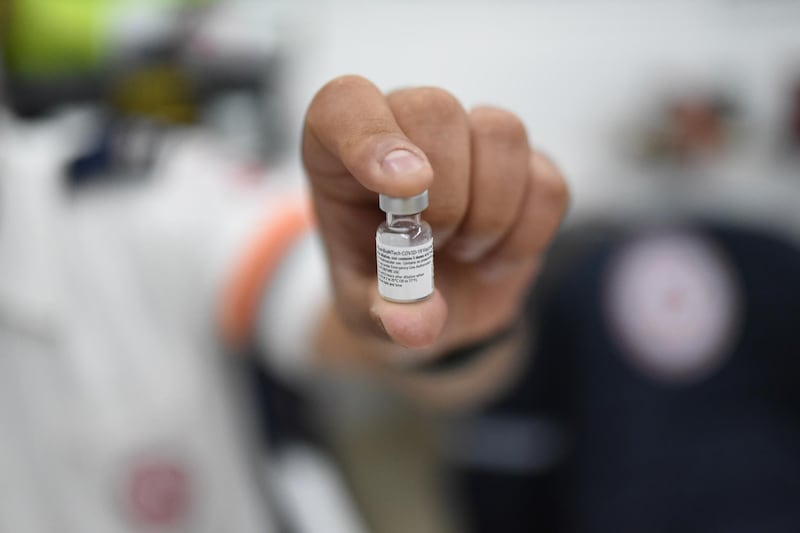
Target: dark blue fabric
(643, 456)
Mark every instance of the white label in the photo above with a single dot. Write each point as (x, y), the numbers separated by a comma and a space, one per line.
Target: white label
(405, 273)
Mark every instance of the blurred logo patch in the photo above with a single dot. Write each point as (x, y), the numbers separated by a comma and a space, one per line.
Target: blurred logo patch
(157, 493)
(673, 306)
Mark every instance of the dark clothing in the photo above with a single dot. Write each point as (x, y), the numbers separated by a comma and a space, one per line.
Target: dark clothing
(641, 454)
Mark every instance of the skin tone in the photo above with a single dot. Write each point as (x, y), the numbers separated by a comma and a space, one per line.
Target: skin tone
(495, 204)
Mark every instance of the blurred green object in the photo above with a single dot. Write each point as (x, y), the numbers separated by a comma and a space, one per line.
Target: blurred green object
(46, 38)
(161, 92)
(53, 38)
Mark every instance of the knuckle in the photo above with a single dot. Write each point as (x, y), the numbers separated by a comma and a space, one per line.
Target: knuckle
(487, 223)
(496, 221)
(498, 125)
(320, 105)
(446, 219)
(347, 82)
(429, 103)
(555, 189)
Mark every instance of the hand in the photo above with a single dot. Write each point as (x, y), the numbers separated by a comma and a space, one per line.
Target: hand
(495, 204)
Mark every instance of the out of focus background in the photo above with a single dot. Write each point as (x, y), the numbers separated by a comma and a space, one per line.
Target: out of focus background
(144, 146)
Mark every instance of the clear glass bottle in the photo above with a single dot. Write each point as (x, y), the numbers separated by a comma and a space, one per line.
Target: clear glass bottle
(404, 249)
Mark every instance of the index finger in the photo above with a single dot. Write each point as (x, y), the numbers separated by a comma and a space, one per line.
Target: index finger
(350, 132)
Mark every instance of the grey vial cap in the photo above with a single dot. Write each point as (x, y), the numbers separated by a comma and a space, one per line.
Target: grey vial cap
(403, 206)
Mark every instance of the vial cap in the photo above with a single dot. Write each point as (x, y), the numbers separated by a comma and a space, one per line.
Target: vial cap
(403, 206)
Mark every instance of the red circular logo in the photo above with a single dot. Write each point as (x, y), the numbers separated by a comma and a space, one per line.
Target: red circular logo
(158, 493)
(673, 305)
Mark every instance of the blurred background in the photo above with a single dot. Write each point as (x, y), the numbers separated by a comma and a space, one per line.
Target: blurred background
(146, 144)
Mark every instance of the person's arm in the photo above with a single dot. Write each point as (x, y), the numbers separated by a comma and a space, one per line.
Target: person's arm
(495, 204)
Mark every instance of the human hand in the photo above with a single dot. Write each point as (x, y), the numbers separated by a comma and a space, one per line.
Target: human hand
(495, 204)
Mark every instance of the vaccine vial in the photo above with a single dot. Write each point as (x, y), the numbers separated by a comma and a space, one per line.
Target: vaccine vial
(404, 247)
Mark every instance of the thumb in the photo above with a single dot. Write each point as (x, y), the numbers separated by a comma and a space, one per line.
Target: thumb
(352, 144)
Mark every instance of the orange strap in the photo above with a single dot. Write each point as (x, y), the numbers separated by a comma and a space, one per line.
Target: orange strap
(251, 275)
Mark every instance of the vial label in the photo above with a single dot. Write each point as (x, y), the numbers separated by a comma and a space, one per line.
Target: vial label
(405, 273)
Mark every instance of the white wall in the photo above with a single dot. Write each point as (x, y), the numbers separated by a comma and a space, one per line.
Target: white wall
(576, 71)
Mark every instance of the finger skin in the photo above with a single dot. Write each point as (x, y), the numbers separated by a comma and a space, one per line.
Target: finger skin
(350, 128)
(437, 123)
(543, 208)
(499, 178)
(349, 131)
(484, 186)
(413, 325)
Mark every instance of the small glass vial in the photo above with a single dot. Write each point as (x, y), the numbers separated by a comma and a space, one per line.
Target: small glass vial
(404, 247)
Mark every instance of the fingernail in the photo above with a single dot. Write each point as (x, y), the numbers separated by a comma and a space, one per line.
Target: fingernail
(469, 251)
(400, 162)
(496, 271)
